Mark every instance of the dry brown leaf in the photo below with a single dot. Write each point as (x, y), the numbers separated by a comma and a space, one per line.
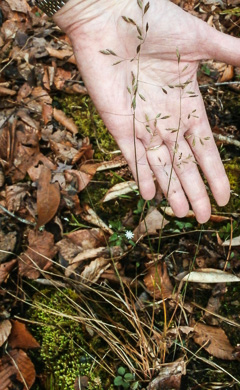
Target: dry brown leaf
(93, 271)
(5, 330)
(6, 373)
(2, 176)
(7, 243)
(6, 92)
(90, 254)
(60, 77)
(86, 151)
(158, 282)
(64, 153)
(27, 119)
(17, 365)
(62, 118)
(19, 6)
(72, 89)
(35, 170)
(25, 368)
(48, 197)
(89, 169)
(15, 195)
(67, 249)
(213, 340)
(47, 113)
(153, 221)
(79, 178)
(213, 306)
(39, 254)
(24, 91)
(25, 152)
(5, 269)
(88, 238)
(9, 29)
(4, 139)
(107, 253)
(20, 337)
(62, 54)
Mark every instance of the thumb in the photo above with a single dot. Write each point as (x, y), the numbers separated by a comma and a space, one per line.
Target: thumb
(222, 47)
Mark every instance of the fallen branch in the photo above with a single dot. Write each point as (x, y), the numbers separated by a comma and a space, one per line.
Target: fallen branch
(227, 140)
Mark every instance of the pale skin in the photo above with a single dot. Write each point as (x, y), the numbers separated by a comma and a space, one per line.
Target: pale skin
(171, 155)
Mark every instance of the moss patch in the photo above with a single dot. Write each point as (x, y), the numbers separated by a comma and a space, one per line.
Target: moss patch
(84, 114)
(64, 348)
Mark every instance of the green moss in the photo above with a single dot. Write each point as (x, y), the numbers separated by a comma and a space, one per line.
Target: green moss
(63, 341)
(233, 172)
(84, 114)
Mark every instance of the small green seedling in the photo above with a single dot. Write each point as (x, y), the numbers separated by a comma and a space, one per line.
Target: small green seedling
(125, 380)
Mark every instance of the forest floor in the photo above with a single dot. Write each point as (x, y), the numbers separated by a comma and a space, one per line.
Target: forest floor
(98, 288)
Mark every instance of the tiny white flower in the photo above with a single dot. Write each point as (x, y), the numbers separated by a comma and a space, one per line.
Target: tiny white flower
(129, 235)
(110, 226)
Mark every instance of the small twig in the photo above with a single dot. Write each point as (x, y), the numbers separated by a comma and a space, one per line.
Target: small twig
(18, 218)
(219, 84)
(227, 140)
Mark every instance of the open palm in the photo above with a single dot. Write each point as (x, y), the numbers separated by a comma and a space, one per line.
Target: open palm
(150, 100)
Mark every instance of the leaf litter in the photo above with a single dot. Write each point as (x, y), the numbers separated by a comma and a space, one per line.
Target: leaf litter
(45, 166)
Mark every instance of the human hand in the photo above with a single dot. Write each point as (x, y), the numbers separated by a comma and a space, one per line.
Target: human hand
(160, 78)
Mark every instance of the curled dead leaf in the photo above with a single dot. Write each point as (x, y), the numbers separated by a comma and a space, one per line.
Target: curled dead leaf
(152, 222)
(5, 269)
(210, 275)
(158, 282)
(5, 330)
(90, 216)
(120, 189)
(234, 242)
(62, 118)
(93, 271)
(169, 377)
(228, 74)
(214, 218)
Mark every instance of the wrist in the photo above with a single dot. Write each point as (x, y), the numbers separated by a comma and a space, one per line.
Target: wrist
(76, 12)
